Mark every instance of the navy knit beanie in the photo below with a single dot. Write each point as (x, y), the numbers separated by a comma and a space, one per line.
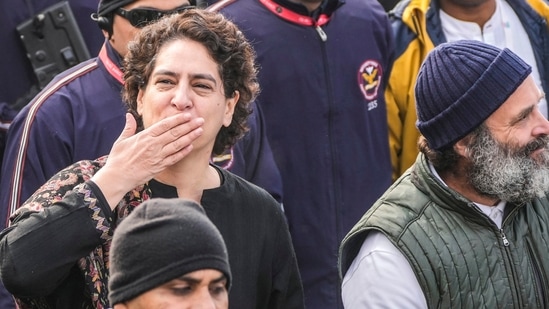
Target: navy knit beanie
(161, 240)
(460, 84)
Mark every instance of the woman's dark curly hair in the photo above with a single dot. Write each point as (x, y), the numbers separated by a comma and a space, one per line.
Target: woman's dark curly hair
(226, 45)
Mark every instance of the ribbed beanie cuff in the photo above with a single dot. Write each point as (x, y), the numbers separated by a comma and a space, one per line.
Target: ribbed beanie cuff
(460, 84)
(136, 284)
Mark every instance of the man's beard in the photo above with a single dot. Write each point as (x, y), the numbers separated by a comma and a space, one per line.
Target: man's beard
(508, 172)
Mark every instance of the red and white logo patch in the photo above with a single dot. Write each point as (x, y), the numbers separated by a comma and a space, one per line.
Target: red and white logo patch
(369, 79)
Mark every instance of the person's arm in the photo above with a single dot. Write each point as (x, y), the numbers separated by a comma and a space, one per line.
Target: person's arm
(35, 150)
(53, 229)
(393, 109)
(395, 131)
(42, 245)
(381, 277)
(18, 165)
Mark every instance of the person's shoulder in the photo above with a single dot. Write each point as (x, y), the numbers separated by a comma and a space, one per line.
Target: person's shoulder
(61, 183)
(64, 81)
(65, 86)
(73, 73)
(252, 194)
(222, 5)
(540, 6)
(408, 45)
(80, 171)
(363, 4)
(396, 13)
(71, 76)
(404, 11)
(237, 9)
(241, 183)
(403, 197)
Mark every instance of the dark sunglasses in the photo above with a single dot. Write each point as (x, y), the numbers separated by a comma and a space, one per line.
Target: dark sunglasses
(139, 18)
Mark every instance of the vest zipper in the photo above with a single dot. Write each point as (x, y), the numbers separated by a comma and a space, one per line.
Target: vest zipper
(506, 244)
(513, 270)
(504, 238)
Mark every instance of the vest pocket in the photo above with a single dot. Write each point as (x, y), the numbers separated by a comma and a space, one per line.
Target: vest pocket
(541, 285)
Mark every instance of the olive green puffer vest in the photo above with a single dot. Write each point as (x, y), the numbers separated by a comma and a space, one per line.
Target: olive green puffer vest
(460, 257)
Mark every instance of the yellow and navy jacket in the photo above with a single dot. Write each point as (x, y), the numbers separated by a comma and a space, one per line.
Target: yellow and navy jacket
(417, 28)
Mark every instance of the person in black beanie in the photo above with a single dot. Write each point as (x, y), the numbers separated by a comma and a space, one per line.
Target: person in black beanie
(168, 251)
(466, 226)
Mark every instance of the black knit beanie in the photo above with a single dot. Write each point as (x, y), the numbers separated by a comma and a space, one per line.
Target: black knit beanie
(163, 239)
(460, 84)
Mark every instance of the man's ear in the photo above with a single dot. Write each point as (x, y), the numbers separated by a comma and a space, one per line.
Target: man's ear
(120, 306)
(462, 146)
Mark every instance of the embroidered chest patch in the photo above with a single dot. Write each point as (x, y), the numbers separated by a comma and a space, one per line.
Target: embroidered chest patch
(369, 79)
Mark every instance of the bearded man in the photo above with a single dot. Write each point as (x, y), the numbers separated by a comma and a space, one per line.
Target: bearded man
(467, 226)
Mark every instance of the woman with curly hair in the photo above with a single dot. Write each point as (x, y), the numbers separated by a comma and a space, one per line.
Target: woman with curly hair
(189, 80)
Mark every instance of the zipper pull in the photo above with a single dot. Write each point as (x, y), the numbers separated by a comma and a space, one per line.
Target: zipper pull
(504, 238)
(321, 33)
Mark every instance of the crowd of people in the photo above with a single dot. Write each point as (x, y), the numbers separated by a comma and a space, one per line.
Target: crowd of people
(320, 154)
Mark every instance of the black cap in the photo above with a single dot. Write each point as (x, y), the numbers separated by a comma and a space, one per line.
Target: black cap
(161, 240)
